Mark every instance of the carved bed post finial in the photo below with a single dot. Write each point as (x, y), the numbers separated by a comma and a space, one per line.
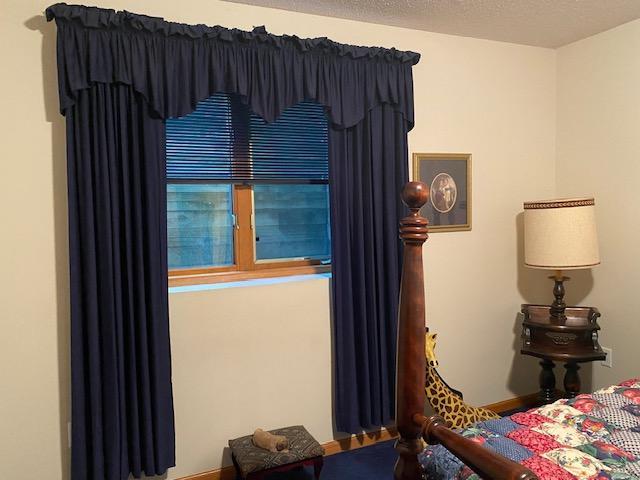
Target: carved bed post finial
(410, 364)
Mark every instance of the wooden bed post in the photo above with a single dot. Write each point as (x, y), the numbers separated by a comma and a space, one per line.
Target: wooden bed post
(410, 364)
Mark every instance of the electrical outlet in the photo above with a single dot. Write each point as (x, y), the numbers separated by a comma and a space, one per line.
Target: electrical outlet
(608, 362)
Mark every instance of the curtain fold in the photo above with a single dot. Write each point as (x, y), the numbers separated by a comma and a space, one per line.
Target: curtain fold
(122, 415)
(120, 76)
(367, 170)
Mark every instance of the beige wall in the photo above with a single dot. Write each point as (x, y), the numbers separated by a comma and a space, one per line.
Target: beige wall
(236, 351)
(599, 154)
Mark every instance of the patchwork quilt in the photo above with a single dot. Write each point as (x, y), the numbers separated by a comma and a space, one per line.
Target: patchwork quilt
(590, 437)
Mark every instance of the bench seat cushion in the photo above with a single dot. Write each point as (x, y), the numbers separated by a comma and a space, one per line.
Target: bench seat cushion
(250, 459)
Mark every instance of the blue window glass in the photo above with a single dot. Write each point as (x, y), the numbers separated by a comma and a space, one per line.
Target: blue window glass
(291, 222)
(199, 225)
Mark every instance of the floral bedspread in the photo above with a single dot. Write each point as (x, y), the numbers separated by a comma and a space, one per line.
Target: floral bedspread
(590, 437)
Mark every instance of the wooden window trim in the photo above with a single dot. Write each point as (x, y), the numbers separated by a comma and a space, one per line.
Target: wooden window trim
(245, 267)
(238, 276)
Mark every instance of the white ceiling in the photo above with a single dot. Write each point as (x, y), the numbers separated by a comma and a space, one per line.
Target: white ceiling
(544, 23)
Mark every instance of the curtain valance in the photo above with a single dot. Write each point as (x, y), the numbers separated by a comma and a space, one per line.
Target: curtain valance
(174, 66)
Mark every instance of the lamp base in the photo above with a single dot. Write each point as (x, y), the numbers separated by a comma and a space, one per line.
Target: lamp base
(558, 306)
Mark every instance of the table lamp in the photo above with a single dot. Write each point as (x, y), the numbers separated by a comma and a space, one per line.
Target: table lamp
(560, 235)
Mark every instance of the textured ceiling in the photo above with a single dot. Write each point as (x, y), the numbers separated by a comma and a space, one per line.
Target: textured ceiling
(544, 23)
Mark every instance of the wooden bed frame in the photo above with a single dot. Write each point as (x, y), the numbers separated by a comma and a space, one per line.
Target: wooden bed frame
(412, 425)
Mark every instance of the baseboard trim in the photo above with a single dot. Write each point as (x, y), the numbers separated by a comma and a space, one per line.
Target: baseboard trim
(524, 401)
(358, 441)
(368, 438)
(225, 473)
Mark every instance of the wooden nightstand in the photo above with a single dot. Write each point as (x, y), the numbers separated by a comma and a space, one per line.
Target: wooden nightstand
(571, 341)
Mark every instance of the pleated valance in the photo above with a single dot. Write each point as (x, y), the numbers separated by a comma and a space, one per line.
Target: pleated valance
(175, 66)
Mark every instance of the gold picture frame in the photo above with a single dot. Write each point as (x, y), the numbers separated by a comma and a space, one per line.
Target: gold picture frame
(448, 176)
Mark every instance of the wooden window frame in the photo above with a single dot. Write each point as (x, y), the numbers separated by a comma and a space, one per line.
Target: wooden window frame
(244, 267)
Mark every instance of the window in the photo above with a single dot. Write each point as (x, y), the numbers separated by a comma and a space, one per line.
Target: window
(246, 198)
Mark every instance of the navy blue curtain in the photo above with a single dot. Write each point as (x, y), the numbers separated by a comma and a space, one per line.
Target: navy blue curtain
(367, 169)
(122, 409)
(120, 76)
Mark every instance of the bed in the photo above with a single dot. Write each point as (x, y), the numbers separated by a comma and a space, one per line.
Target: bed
(594, 437)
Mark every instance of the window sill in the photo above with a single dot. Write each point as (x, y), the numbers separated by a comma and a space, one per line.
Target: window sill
(255, 277)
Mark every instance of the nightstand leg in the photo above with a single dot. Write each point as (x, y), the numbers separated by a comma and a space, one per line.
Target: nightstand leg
(547, 382)
(572, 379)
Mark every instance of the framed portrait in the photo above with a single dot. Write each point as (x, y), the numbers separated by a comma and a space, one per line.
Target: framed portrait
(448, 176)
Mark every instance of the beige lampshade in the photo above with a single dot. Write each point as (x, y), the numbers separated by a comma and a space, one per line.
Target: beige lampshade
(560, 234)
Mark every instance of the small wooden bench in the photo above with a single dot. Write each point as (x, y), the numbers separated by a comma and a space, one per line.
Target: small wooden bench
(255, 463)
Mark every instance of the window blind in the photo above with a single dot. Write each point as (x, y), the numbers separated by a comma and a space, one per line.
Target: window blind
(222, 141)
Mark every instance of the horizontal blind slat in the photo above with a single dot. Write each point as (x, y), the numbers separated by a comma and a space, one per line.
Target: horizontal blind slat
(222, 141)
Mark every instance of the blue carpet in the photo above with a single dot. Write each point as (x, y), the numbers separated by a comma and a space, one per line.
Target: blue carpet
(368, 463)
